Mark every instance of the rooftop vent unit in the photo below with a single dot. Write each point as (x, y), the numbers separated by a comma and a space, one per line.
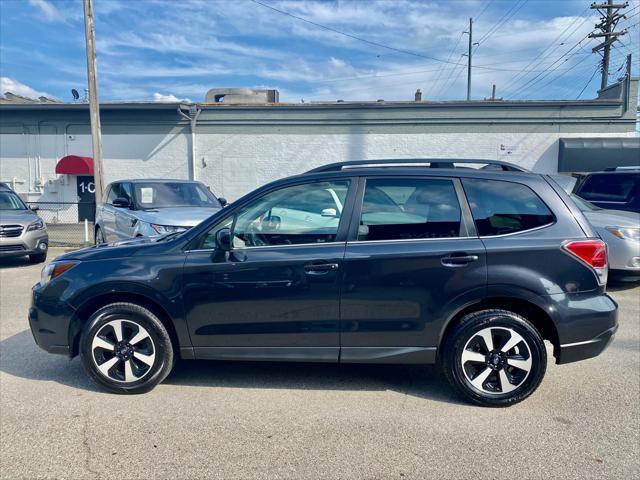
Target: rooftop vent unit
(238, 96)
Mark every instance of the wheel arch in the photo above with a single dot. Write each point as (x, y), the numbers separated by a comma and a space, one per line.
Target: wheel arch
(533, 312)
(87, 309)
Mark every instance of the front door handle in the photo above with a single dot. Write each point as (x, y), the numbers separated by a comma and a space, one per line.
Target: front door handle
(320, 268)
(458, 260)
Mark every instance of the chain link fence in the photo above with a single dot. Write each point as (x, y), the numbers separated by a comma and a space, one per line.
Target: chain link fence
(69, 224)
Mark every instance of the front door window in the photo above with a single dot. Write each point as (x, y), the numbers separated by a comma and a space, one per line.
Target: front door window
(300, 214)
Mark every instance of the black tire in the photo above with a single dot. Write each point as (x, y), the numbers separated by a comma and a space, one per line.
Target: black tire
(471, 332)
(136, 320)
(98, 237)
(37, 257)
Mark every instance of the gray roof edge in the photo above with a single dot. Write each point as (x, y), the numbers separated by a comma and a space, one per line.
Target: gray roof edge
(314, 106)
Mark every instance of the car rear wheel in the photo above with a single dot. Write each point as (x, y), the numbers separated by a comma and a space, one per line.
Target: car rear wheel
(494, 358)
(99, 236)
(125, 348)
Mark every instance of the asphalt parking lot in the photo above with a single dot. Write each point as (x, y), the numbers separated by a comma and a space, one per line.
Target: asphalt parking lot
(260, 420)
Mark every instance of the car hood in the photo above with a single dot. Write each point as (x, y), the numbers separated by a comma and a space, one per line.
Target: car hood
(176, 216)
(19, 217)
(612, 218)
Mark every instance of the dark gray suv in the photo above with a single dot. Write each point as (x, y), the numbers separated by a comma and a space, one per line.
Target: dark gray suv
(411, 261)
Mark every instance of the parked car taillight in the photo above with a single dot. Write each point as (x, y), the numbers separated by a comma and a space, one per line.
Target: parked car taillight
(591, 252)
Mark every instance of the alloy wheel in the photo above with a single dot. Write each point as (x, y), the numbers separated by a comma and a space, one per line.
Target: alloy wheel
(496, 360)
(123, 351)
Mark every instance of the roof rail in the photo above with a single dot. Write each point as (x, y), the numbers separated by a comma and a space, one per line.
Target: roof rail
(419, 162)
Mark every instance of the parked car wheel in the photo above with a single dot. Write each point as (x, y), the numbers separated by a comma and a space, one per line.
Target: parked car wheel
(38, 257)
(125, 348)
(494, 358)
(99, 236)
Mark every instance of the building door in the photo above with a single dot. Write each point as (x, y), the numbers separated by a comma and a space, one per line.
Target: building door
(86, 189)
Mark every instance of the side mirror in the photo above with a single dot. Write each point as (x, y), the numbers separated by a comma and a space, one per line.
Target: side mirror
(223, 201)
(223, 239)
(34, 208)
(121, 202)
(329, 212)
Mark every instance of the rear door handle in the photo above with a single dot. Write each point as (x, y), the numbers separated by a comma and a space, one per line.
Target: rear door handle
(320, 268)
(454, 260)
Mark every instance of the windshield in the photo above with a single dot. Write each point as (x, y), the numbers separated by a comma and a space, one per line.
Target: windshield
(11, 201)
(583, 204)
(165, 194)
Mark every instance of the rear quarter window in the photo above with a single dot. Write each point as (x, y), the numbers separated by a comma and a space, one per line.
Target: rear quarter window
(501, 207)
(610, 187)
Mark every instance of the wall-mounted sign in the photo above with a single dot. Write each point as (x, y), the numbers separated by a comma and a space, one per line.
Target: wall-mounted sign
(505, 150)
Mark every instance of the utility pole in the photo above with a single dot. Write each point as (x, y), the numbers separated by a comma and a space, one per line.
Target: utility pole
(94, 106)
(610, 16)
(469, 59)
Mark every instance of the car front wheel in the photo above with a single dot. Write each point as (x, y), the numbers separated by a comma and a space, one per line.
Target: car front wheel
(99, 237)
(494, 358)
(125, 348)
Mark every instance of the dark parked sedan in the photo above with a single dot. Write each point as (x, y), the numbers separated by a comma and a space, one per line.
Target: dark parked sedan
(369, 262)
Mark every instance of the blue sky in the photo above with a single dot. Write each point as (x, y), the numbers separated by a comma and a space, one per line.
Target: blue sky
(162, 50)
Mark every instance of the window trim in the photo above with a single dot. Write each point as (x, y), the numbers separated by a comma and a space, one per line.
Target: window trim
(343, 225)
(467, 229)
(539, 227)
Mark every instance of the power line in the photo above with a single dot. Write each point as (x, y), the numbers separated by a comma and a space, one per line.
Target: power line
(543, 54)
(349, 35)
(504, 19)
(433, 85)
(588, 82)
(561, 73)
(537, 78)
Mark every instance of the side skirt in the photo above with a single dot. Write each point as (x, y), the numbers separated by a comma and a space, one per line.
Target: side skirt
(398, 355)
(402, 355)
(269, 354)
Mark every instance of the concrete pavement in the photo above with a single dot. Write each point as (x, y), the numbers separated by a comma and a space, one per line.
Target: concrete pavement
(253, 420)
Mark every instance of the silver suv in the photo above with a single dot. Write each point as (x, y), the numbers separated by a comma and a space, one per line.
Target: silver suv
(22, 232)
(149, 208)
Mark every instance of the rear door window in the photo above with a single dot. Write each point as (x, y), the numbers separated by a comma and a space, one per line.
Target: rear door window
(500, 207)
(406, 209)
(609, 187)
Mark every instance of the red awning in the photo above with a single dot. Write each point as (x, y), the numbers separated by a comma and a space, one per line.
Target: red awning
(74, 165)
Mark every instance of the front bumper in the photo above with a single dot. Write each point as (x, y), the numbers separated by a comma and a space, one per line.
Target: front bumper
(29, 243)
(49, 319)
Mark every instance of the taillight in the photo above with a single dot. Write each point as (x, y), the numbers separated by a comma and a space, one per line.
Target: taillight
(591, 252)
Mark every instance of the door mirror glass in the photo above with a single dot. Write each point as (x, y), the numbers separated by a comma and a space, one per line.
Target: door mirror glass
(121, 202)
(223, 239)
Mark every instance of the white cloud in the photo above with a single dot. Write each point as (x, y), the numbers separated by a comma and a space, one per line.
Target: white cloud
(47, 9)
(159, 97)
(10, 85)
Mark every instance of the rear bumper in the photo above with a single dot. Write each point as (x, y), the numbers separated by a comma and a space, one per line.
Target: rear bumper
(585, 323)
(573, 352)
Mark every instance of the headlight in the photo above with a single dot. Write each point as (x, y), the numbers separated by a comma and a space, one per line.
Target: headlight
(37, 225)
(55, 269)
(625, 232)
(164, 229)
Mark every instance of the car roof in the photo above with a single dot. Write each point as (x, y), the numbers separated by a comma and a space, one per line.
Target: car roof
(615, 172)
(155, 180)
